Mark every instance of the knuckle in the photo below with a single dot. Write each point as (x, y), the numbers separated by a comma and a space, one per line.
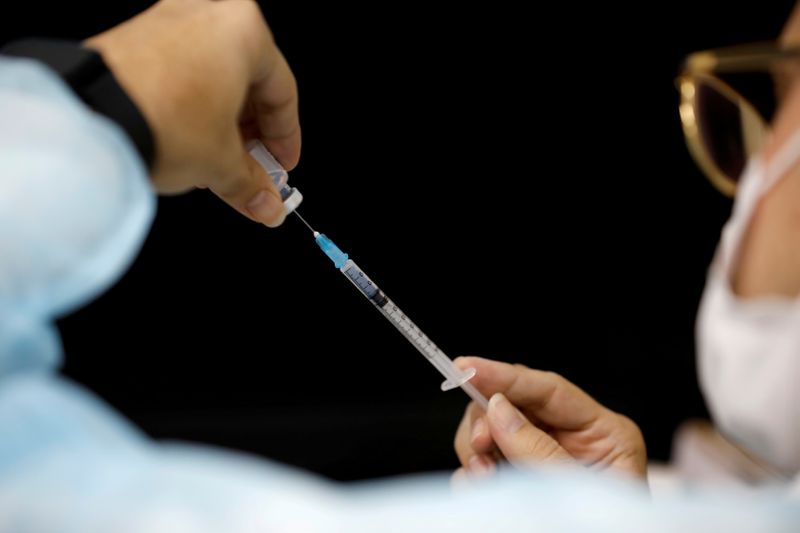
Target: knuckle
(631, 426)
(542, 447)
(557, 381)
(555, 376)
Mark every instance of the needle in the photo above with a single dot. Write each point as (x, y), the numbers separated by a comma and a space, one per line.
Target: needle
(304, 221)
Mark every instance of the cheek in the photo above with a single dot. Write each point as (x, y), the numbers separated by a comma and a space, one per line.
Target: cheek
(787, 119)
(790, 35)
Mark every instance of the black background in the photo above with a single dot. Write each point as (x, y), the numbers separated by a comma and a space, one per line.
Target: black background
(515, 179)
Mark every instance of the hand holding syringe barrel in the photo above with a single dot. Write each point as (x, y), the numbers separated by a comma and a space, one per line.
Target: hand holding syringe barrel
(454, 376)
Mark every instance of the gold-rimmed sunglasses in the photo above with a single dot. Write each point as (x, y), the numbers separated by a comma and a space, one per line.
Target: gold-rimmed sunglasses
(722, 128)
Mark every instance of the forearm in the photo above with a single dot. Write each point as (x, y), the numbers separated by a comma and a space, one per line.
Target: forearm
(75, 200)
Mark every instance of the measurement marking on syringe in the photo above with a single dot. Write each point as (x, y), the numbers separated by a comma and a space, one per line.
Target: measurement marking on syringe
(455, 376)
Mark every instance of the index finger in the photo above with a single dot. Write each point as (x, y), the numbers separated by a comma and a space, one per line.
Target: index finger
(274, 100)
(273, 89)
(544, 395)
(464, 444)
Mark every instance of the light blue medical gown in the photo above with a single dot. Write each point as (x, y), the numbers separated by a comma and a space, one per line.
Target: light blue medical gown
(75, 206)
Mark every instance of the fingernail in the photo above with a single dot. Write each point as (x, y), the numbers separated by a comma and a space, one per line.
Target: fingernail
(267, 209)
(480, 465)
(504, 414)
(478, 427)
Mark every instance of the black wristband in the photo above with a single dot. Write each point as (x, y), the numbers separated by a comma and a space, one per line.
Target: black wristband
(84, 70)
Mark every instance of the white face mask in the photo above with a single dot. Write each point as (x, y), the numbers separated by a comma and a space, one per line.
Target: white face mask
(749, 350)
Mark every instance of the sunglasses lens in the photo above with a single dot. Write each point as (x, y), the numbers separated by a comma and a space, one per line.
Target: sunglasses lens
(730, 130)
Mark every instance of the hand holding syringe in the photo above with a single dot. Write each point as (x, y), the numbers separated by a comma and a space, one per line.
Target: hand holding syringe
(454, 377)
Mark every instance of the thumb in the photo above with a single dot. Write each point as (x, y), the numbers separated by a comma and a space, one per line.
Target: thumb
(246, 187)
(518, 439)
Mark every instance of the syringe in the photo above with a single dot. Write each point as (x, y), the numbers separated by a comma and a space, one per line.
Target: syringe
(454, 377)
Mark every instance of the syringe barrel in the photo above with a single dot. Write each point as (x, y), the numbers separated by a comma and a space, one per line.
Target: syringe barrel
(454, 376)
(367, 287)
(291, 197)
(404, 325)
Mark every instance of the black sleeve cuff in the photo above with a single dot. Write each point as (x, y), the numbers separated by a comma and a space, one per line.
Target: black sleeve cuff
(84, 70)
